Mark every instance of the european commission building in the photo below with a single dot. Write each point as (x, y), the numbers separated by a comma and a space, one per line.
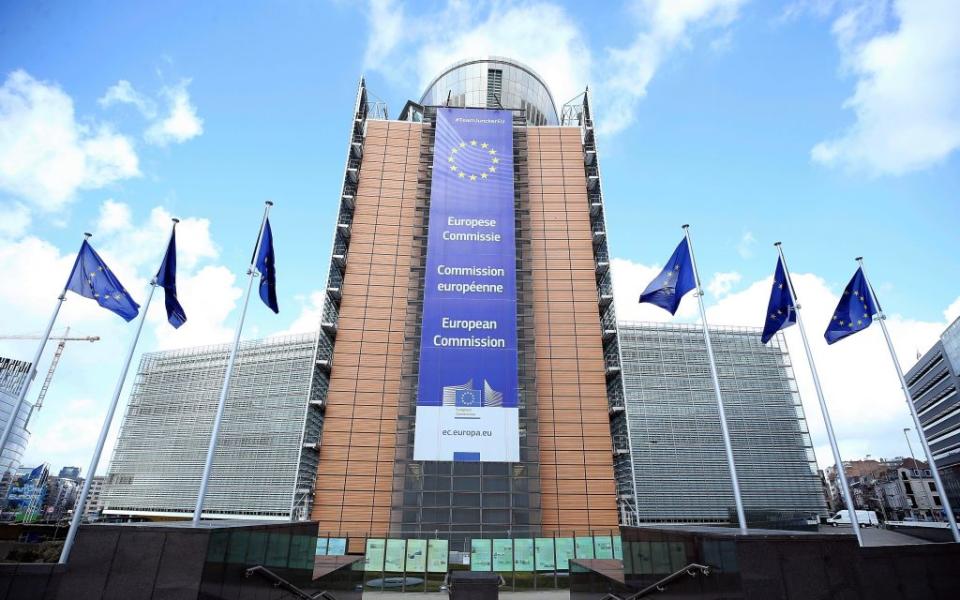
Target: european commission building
(468, 379)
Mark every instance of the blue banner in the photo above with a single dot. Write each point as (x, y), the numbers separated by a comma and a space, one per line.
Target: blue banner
(467, 395)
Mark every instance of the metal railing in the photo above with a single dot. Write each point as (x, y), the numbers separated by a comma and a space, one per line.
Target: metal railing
(691, 570)
(281, 583)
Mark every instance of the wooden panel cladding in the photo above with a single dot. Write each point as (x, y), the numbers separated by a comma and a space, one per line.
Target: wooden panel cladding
(577, 482)
(354, 478)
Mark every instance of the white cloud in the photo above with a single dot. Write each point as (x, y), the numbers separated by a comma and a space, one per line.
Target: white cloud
(123, 93)
(114, 216)
(207, 297)
(907, 97)
(722, 283)
(629, 281)
(952, 313)
(181, 122)
(746, 244)
(861, 387)
(66, 430)
(71, 426)
(46, 155)
(14, 220)
(664, 27)
(144, 245)
(311, 311)
(406, 46)
(419, 46)
(387, 24)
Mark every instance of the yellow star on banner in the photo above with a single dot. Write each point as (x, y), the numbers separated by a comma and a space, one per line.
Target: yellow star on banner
(466, 171)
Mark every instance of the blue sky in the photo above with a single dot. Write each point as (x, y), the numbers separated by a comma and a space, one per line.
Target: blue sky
(831, 125)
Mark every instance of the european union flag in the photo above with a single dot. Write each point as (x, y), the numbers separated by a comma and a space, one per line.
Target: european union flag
(675, 280)
(36, 473)
(266, 264)
(167, 279)
(91, 278)
(854, 312)
(780, 310)
(468, 398)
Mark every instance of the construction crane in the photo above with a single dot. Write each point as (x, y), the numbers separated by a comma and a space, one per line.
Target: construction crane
(53, 364)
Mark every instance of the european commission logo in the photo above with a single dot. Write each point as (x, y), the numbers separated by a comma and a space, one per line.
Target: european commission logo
(473, 161)
(465, 396)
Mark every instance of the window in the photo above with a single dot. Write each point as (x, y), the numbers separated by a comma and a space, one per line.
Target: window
(933, 486)
(494, 88)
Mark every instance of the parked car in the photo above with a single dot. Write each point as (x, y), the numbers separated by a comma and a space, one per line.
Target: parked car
(866, 518)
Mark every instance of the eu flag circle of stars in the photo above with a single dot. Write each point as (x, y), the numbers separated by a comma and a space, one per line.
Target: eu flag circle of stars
(866, 312)
(474, 145)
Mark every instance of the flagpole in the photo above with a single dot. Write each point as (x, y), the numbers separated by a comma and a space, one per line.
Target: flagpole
(847, 496)
(105, 428)
(208, 465)
(741, 517)
(33, 365)
(913, 410)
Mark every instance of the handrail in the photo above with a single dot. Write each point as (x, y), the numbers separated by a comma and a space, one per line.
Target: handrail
(280, 582)
(693, 569)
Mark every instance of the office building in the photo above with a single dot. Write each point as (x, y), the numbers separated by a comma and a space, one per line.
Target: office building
(13, 375)
(933, 382)
(69, 473)
(680, 466)
(553, 295)
(28, 493)
(93, 507)
(266, 457)
(61, 497)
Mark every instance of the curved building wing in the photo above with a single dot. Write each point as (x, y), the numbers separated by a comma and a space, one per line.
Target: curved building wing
(493, 82)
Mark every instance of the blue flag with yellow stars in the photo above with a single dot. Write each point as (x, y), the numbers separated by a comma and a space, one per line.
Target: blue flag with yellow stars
(854, 312)
(167, 279)
(675, 280)
(780, 310)
(266, 264)
(91, 278)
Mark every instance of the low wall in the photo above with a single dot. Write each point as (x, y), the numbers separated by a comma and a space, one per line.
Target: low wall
(776, 565)
(177, 561)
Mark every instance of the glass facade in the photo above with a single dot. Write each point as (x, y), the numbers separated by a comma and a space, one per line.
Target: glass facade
(266, 457)
(13, 375)
(935, 390)
(494, 83)
(951, 345)
(679, 462)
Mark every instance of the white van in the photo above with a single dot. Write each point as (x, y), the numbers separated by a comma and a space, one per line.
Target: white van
(866, 518)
